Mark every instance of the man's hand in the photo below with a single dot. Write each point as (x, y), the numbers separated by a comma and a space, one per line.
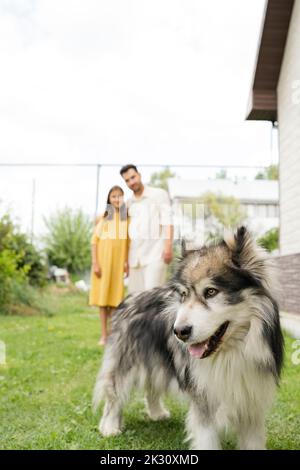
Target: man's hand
(126, 269)
(97, 270)
(167, 255)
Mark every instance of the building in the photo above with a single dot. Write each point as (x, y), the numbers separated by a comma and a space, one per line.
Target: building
(259, 198)
(275, 96)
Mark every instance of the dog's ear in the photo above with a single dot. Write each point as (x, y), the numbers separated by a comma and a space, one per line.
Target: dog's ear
(243, 249)
(246, 255)
(240, 244)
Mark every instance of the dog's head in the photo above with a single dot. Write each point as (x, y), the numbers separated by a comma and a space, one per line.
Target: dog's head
(217, 287)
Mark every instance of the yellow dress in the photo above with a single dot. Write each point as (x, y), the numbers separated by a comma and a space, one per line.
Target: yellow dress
(112, 241)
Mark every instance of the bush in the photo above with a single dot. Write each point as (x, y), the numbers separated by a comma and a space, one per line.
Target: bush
(31, 258)
(270, 240)
(9, 273)
(20, 262)
(68, 240)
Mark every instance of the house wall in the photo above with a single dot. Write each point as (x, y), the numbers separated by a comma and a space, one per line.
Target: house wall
(289, 294)
(289, 140)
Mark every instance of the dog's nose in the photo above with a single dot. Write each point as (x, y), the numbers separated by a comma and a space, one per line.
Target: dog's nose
(183, 333)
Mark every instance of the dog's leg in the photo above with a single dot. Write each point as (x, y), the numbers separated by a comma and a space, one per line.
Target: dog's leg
(105, 390)
(110, 423)
(201, 429)
(115, 390)
(252, 436)
(155, 406)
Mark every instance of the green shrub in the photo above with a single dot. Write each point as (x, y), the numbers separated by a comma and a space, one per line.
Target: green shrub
(31, 258)
(9, 273)
(270, 240)
(68, 240)
(20, 262)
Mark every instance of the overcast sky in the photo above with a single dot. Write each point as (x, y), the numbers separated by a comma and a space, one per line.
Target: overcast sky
(117, 81)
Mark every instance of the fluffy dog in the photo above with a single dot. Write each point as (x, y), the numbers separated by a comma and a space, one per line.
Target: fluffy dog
(213, 330)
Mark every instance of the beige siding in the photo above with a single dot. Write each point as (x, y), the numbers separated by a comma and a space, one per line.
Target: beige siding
(289, 139)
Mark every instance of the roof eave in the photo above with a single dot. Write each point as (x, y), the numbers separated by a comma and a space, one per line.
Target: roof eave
(263, 96)
(262, 106)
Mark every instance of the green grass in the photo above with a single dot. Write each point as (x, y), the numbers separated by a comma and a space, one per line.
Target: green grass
(47, 382)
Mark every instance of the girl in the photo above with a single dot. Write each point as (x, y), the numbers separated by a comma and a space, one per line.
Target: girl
(110, 245)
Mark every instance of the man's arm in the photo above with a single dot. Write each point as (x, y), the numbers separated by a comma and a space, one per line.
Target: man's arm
(167, 227)
(168, 248)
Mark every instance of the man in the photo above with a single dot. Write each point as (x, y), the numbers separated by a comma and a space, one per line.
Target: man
(150, 232)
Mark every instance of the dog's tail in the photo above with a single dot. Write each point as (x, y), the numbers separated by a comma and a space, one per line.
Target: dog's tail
(105, 384)
(98, 394)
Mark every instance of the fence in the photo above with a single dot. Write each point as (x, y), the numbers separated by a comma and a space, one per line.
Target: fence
(32, 192)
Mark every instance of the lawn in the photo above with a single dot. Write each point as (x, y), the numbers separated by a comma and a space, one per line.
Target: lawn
(47, 382)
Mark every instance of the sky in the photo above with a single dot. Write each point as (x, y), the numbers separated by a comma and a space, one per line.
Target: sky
(123, 81)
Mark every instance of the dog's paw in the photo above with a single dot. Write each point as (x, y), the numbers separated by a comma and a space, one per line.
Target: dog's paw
(109, 429)
(159, 415)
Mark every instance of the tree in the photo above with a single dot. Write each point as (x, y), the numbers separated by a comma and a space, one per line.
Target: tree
(221, 175)
(270, 240)
(219, 212)
(269, 173)
(68, 240)
(160, 179)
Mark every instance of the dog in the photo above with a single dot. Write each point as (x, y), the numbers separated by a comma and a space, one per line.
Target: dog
(213, 332)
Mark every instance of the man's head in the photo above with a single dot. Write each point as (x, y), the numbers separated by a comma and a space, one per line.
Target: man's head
(132, 177)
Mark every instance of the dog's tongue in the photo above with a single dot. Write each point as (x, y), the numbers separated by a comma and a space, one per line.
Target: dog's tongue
(197, 350)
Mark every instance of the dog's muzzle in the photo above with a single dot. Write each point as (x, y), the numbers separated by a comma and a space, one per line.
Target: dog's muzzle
(183, 333)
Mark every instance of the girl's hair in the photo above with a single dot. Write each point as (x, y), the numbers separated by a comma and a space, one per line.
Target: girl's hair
(110, 210)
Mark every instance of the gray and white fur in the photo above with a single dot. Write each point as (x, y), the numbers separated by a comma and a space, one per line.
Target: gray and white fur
(212, 331)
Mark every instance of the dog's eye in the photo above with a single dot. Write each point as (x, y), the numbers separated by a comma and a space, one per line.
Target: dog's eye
(210, 292)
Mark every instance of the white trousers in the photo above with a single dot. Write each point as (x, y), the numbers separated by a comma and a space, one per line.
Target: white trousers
(146, 277)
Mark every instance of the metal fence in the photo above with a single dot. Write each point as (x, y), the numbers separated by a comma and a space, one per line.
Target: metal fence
(31, 192)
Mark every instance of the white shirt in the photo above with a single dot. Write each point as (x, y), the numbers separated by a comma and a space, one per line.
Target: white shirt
(149, 215)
